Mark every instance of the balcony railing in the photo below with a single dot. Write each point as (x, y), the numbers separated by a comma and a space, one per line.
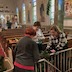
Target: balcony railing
(60, 61)
(45, 66)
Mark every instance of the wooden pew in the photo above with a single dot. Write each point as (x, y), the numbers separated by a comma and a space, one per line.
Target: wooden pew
(69, 38)
(10, 34)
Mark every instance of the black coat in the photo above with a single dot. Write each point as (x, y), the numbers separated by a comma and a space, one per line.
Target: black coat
(26, 52)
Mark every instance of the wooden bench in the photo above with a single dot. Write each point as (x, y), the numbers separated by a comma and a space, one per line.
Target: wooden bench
(10, 34)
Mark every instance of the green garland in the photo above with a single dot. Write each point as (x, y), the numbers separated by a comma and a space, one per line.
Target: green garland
(48, 6)
(45, 54)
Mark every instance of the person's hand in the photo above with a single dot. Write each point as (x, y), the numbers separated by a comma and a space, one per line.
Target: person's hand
(53, 51)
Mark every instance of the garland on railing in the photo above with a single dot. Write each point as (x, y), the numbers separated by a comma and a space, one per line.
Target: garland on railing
(48, 6)
(45, 54)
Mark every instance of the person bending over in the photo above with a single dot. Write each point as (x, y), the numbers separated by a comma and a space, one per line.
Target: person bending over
(26, 52)
(57, 39)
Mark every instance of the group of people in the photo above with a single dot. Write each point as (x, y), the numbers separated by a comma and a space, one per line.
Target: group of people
(13, 23)
(9, 24)
(27, 53)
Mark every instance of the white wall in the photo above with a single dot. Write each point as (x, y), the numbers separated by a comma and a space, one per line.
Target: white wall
(7, 5)
(68, 22)
(10, 4)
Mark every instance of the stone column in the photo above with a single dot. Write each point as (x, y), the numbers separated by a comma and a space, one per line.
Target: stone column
(56, 13)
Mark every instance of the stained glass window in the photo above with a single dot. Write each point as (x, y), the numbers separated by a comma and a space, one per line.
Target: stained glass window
(17, 13)
(51, 12)
(23, 14)
(34, 10)
(59, 4)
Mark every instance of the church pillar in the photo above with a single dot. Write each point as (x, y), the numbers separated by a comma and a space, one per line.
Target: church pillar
(56, 13)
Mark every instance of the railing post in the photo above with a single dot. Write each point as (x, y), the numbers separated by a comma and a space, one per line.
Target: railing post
(44, 67)
(40, 68)
(35, 67)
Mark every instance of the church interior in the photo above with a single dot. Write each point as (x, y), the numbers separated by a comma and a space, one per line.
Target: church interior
(17, 15)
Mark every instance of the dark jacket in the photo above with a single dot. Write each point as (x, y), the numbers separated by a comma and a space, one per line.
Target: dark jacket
(26, 52)
(9, 24)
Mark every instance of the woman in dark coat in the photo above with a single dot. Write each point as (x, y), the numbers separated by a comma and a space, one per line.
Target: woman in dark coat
(26, 52)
